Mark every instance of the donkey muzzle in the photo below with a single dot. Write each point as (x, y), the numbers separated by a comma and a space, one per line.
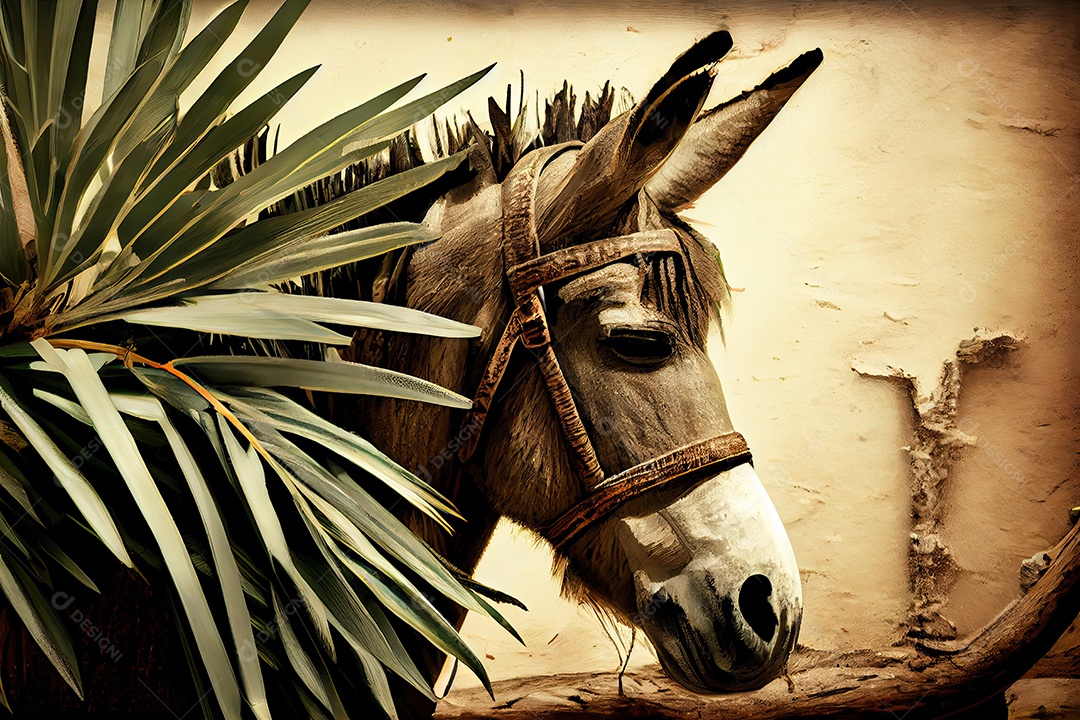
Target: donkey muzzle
(717, 588)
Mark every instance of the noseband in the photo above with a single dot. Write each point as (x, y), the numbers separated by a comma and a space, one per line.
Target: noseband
(527, 271)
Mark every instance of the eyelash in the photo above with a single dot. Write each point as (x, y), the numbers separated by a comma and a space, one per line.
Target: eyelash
(640, 347)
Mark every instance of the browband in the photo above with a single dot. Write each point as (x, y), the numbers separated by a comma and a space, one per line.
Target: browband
(527, 277)
(527, 271)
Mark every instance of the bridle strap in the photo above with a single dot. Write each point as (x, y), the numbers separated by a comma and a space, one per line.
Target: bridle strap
(489, 383)
(520, 240)
(527, 277)
(687, 466)
(528, 326)
(527, 271)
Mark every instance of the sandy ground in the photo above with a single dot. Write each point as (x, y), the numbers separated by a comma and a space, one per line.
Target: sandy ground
(921, 184)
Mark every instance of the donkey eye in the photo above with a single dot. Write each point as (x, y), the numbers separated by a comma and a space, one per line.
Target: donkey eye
(640, 347)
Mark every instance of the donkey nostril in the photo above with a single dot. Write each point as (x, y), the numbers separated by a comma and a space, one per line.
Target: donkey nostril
(755, 606)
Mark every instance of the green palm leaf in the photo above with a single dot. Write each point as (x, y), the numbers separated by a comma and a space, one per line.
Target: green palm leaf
(301, 662)
(12, 257)
(57, 553)
(337, 377)
(92, 147)
(77, 486)
(41, 621)
(114, 228)
(361, 624)
(287, 416)
(226, 569)
(274, 315)
(286, 240)
(165, 188)
(249, 472)
(95, 400)
(311, 256)
(15, 484)
(417, 612)
(351, 136)
(232, 80)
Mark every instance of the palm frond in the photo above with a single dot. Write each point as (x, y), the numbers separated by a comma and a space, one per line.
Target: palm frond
(118, 441)
(123, 255)
(225, 566)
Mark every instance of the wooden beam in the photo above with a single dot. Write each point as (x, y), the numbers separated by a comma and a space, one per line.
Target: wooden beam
(928, 680)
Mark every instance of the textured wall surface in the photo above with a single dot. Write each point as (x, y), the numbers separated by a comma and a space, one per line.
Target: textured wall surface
(921, 184)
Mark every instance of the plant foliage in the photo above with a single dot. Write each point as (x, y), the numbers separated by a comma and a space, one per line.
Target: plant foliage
(118, 258)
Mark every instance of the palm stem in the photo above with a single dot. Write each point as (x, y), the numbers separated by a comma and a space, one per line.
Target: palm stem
(130, 357)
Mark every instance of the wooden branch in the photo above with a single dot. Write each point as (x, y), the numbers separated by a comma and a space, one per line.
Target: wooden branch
(1058, 664)
(930, 680)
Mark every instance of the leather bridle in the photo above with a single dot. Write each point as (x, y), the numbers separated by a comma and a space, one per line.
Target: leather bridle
(527, 271)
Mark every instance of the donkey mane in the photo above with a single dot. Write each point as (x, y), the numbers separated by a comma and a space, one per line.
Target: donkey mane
(700, 290)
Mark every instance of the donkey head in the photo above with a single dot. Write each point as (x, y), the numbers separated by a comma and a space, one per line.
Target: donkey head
(708, 574)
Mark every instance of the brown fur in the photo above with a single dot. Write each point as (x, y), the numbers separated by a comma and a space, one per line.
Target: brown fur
(603, 188)
(522, 470)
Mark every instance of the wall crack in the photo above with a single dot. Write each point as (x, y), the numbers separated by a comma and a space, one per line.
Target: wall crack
(937, 444)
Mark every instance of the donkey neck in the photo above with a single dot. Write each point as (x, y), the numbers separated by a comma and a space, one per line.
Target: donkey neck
(460, 277)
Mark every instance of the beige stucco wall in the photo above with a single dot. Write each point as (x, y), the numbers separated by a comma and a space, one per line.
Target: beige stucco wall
(922, 183)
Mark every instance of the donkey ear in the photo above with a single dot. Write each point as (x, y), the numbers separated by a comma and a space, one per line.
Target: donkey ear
(615, 164)
(720, 136)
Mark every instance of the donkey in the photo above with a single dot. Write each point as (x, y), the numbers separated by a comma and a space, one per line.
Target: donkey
(599, 421)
